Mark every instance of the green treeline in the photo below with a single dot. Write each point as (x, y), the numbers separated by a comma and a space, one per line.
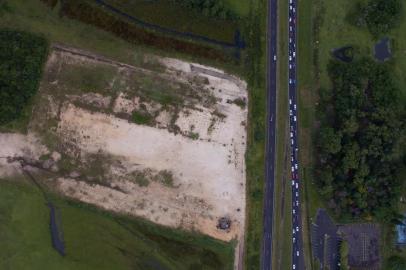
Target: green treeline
(379, 16)
(358, 141)
(209, 8)
(22, 56)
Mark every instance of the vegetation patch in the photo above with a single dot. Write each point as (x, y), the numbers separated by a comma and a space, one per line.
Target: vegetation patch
(142, 118)
(161, 13)
(209, 8)
(96, 239)
(379, 16)
(92, 14)
(22, 56)
(357, 140)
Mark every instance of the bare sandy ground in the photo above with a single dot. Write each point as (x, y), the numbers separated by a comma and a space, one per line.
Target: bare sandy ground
(201, 165)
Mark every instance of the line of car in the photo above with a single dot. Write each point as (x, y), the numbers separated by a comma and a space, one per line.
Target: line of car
(297, 260)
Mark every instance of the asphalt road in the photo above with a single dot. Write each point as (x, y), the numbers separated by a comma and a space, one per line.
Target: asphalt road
(266, 256)
(297, 233)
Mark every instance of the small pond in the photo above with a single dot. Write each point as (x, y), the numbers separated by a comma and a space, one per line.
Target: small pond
(382, 51)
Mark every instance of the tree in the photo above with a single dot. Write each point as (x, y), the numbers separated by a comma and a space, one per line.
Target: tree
(380, 16)
(329, 140)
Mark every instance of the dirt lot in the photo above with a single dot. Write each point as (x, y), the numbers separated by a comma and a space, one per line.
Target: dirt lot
(164, 140)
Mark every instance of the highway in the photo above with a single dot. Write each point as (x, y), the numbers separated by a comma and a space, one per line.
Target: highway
(272, 26)
(297, 233)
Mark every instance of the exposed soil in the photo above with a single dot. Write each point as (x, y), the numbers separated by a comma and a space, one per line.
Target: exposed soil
(183, 166)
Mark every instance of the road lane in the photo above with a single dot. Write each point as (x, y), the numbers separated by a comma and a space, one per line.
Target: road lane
(266, 256)
(297, 235)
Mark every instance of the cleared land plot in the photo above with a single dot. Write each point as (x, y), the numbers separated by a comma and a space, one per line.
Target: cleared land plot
(185, 168)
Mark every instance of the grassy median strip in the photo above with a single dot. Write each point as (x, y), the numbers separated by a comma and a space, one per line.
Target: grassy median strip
(282, 244)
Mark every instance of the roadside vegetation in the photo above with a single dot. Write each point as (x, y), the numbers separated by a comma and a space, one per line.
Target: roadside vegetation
(95, 239)
(22, 56)
(325, 26)
(255, 68)
(44, 17)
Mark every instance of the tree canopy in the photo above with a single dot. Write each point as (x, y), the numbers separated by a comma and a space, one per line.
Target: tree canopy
(380, 16)
(21, 59)
(361, 127)
(209, 8)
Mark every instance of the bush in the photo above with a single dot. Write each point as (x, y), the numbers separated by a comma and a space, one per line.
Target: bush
(22, 56)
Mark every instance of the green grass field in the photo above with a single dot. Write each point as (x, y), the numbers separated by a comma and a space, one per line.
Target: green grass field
(322, 27)
(95, 239)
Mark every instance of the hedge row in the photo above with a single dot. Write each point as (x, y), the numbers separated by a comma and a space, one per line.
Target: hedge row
(86, 13)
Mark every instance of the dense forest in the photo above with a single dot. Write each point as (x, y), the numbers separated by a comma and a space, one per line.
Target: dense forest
(361, 127)
(379, 16)
(209, 8)
(22, 56)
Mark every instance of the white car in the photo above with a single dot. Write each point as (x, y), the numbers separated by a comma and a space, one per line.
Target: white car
(290, 40)
(290, 101)
(290, 7)
(291, 135)
(293, 169)
(294, 118)
(290, 58)
(294, 239)
(297, 203)
(292, 141)
(297, 253)
(290, 112)
(297, 185)
(297, 194)
(294, 267)
(290, 66)
(274, 57)
(296, 166)
(297, 228)
(290, 80)
(293, 211)
(294, 10)
(294, 231)
(294, 54)
(290, 1)
(293, 183)
(294, 106)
